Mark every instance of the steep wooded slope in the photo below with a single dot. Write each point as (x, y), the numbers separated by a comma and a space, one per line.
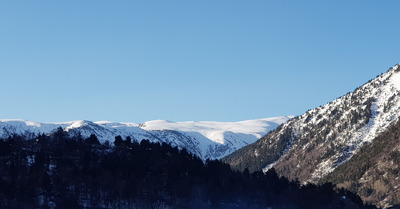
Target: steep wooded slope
(373, 172)
(314, 144)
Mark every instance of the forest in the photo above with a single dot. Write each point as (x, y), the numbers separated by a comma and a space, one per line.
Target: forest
(62, 171)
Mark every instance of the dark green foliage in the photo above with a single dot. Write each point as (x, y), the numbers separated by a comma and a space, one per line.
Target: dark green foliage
(118, 141)
(92, 140)
(61, 172)
(128, 140)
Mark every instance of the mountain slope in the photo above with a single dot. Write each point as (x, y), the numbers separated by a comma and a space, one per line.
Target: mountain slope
(314, 144)
(205, 139)
(373, 172)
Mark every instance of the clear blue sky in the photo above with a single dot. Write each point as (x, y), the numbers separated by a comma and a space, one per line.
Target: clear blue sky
(221, 60)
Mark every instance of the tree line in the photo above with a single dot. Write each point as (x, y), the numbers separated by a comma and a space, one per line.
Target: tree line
(62, 171)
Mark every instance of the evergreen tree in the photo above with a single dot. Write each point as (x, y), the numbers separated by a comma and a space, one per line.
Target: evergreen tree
(118, 141)
(93, 140)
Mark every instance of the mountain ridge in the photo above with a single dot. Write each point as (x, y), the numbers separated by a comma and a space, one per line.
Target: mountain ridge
(311, 146)
(207, 139)
(355, 109)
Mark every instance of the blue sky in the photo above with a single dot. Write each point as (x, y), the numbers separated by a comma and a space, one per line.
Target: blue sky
(221, 60)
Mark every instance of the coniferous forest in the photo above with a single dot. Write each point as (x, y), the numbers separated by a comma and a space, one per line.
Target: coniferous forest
(60, 171)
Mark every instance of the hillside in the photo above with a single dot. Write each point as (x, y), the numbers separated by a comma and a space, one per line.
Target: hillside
(313, 145)
(373, 172)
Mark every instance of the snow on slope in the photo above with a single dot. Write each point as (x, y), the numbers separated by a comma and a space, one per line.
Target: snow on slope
(314, 144)
(206, 139)
(20, 127)
(218, 139)
(385, 109)
(216, 131)
(334, 132)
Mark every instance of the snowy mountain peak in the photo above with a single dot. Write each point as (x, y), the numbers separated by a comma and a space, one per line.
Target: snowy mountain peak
(217, 131)
(207, 139)
(79, 124)
(314, 144)
(364, 113)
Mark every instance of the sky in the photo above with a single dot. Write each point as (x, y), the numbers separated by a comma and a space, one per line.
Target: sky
(208, 60)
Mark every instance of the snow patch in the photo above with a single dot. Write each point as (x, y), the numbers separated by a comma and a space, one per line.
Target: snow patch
(216, 131)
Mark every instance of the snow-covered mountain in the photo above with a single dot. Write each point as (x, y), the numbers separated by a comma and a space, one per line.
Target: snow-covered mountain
(312, 145)
(206, 139)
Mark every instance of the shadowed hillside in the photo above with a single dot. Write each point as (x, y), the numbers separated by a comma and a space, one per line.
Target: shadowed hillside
(61, 172)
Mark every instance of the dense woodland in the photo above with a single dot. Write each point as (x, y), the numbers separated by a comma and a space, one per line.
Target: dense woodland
(59, 171)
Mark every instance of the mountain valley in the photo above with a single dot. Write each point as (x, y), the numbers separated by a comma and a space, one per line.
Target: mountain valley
(352, 142)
